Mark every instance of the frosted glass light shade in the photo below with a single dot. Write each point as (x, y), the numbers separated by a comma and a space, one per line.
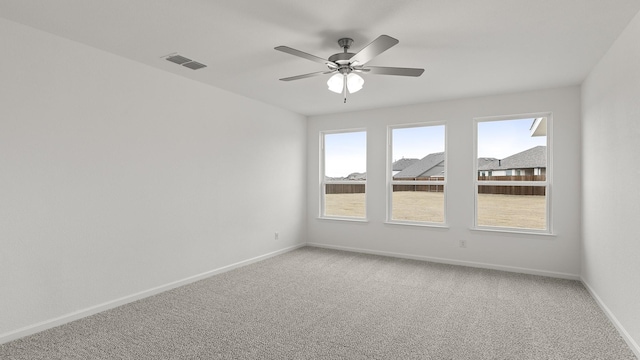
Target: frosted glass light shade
(354, 82)
(336, 83)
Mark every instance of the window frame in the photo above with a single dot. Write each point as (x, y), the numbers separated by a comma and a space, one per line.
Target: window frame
(391, 182)
(547, 183)
(323, 181)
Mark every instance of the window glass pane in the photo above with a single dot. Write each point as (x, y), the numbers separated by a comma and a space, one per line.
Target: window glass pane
(512, 206)
(418, 203)
(512, 150)
(345, 160)
(345, 156)
(418, 154)
(345, 200)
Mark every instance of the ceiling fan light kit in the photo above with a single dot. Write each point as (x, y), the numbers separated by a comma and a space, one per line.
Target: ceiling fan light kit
(354, 82)
(345, 65)
(337, 81)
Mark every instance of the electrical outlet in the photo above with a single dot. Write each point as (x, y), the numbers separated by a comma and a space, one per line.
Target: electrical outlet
(462, 243)
(276, 236)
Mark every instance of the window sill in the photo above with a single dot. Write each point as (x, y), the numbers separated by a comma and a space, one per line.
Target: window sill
(513, 231)
(347, 219)
(429, 225)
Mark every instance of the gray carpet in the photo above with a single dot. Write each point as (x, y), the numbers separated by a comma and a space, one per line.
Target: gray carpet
(323, 304)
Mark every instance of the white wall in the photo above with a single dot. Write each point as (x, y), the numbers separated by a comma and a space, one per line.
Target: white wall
(551, 255)
(611, 170)
(116, 178)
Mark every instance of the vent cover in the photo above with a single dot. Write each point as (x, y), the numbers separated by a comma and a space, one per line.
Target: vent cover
(186, 62)
(194, 65)
(178, 59)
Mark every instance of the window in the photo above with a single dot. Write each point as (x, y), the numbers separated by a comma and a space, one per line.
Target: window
(417, 174)
(344, 175)
(512, 175)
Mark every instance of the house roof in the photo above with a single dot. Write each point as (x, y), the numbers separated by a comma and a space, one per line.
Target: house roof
(357, 176)
(535, 157)
(402, 164)
(539, 127)
(484, 161)
(420, 167)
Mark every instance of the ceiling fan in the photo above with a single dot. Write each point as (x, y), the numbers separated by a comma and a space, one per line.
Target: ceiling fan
(346, 65)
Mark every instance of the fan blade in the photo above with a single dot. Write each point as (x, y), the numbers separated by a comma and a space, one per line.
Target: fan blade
(304, 55)
(383, 70)
(375, 48)
(304, 76)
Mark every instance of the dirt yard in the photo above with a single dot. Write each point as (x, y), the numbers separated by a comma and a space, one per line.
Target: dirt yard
(493, 210)
(345, 205)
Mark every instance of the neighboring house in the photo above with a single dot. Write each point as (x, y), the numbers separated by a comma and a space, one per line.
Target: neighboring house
(398, 166)
(484, 161)
(402, 164)
(357, 176)
(430, 165)
(529, 162)
(352, 176)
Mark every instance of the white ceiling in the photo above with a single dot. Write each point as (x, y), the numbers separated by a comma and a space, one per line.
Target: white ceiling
(467, 47)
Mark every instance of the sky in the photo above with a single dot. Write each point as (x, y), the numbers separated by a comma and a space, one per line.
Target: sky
(500, 139)
(345, 153)
(417, 142)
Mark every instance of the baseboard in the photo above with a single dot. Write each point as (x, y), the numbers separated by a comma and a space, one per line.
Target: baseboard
(623, 332)
(453, 262)
(51, 323)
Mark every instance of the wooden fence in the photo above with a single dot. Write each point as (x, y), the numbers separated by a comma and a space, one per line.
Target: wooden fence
(512, 189)
(513, 178)
(345, 189)
(427, 188)
(482, 189)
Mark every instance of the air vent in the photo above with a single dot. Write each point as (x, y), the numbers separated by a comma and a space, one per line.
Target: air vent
(194, 65)
(186, 62)
(178, 59)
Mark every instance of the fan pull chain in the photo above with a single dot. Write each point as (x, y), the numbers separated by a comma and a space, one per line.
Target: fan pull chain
(344, 88)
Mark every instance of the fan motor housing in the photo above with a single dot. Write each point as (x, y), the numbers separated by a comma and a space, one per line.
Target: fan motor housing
(341, 58)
